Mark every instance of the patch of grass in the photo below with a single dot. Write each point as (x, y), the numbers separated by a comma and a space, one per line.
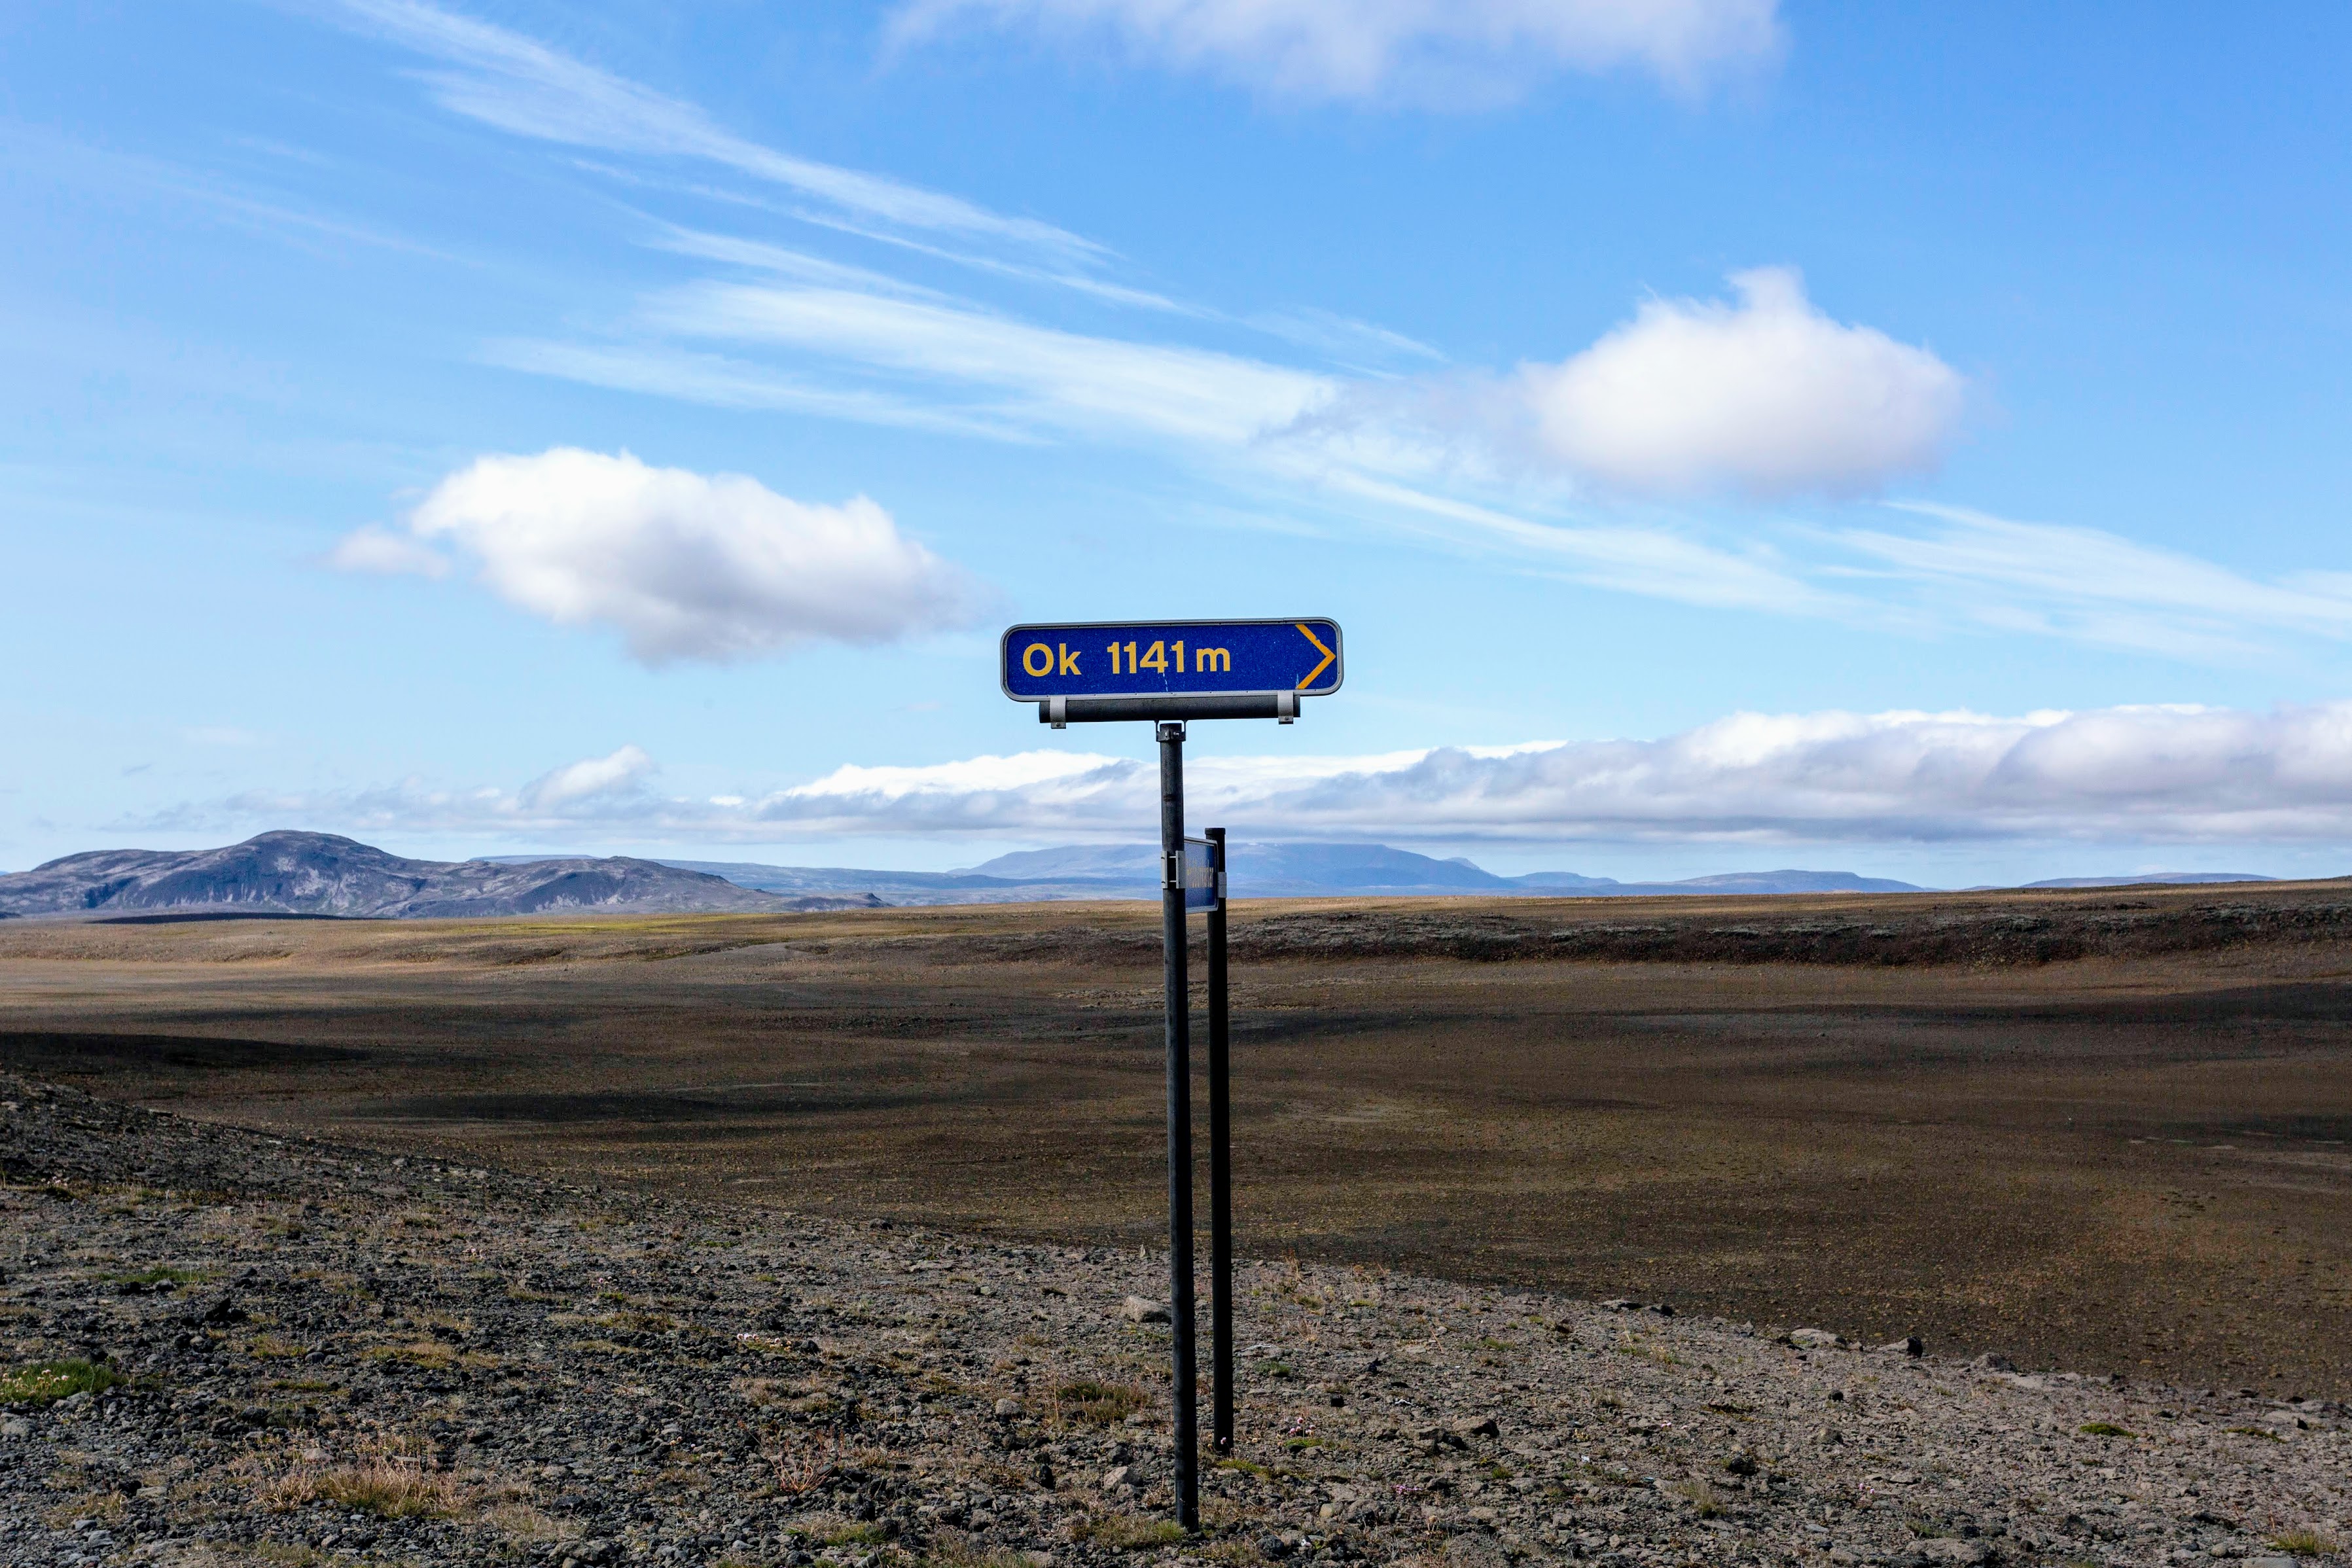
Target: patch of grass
(852, 1535)
(1301, 1445)
(269, 1347)
(383, 1484)
(639, 1322)
(435, 1356)
(1245, 1467)
(2263, 1432)
(1700, 1496)
(304, 1385)
(158, 1275)
(521, 1522)
(2303, 1544)
(1091, 1403)
(961, 1552)
(2101, 1429)
(44, 1381)
(1127, 1532)
(1273, 1369)
(287, 1554)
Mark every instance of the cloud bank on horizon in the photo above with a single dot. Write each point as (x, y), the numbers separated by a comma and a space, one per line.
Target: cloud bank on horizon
(2143, 775)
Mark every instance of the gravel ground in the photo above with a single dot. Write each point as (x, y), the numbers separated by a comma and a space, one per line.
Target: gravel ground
(295, 1353)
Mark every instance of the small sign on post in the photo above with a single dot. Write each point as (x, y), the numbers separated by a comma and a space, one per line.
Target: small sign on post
(1096, 671)
(1197, 875)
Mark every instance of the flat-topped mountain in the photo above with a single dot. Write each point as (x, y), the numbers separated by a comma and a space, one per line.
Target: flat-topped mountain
(323, 874)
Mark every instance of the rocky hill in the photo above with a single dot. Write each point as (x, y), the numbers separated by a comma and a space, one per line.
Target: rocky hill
(321, 874)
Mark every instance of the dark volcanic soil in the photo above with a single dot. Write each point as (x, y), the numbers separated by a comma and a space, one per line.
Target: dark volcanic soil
(224, 1350)
(2090, 1131)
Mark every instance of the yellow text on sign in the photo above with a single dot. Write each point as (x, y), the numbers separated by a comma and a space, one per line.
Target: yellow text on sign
(1155, 659)
(1040, 661)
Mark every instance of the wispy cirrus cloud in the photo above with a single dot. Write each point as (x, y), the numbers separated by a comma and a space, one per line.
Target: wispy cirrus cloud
(524, 87)
(1448, 53)
(1040, 374)
(2100, 587)
(2135, 774)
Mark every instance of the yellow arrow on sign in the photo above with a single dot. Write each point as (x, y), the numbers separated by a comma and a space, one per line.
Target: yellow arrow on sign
(1328, 657)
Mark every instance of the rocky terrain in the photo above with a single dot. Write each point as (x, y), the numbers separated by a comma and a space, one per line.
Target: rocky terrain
(321, 874)
(226, 1348)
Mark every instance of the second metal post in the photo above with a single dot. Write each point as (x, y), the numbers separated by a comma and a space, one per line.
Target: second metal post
(1221, 1171)
(1179, 1122)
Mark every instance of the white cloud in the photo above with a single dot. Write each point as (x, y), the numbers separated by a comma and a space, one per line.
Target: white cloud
(1768, 398)
(523, 87)
(685, 565)
(622, 771)
(2123, 775)
(1437, 51)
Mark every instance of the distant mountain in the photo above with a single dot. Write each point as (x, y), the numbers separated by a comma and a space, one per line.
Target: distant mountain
(2152, 878)
(1259, 872)
(1778, 882)
(802, 883)
(321, 874)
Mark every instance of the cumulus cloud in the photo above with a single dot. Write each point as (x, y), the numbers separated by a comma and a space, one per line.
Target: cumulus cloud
(684, 566)
(1768, 398)
(2136, 775)
(1460, 52)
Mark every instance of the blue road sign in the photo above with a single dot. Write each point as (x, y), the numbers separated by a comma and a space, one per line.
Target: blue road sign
(1171, 659)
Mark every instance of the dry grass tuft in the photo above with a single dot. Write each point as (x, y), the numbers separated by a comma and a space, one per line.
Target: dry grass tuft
(1127, 1532)
(1089, 1402)
(953, 1551)
(2303, 1544)
(390, 1479)
(1701, 1496)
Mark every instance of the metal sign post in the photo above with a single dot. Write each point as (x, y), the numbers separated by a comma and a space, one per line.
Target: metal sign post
(1168, 672)
(1174, 959)
(1221, 1169)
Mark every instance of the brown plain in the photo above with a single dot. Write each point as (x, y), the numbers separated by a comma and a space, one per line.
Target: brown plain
(2100, 1130)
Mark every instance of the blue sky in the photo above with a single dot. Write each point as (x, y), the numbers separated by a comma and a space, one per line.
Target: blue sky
(1899, 439)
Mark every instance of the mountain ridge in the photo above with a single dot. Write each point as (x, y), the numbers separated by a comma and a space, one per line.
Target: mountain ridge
(295, 873)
